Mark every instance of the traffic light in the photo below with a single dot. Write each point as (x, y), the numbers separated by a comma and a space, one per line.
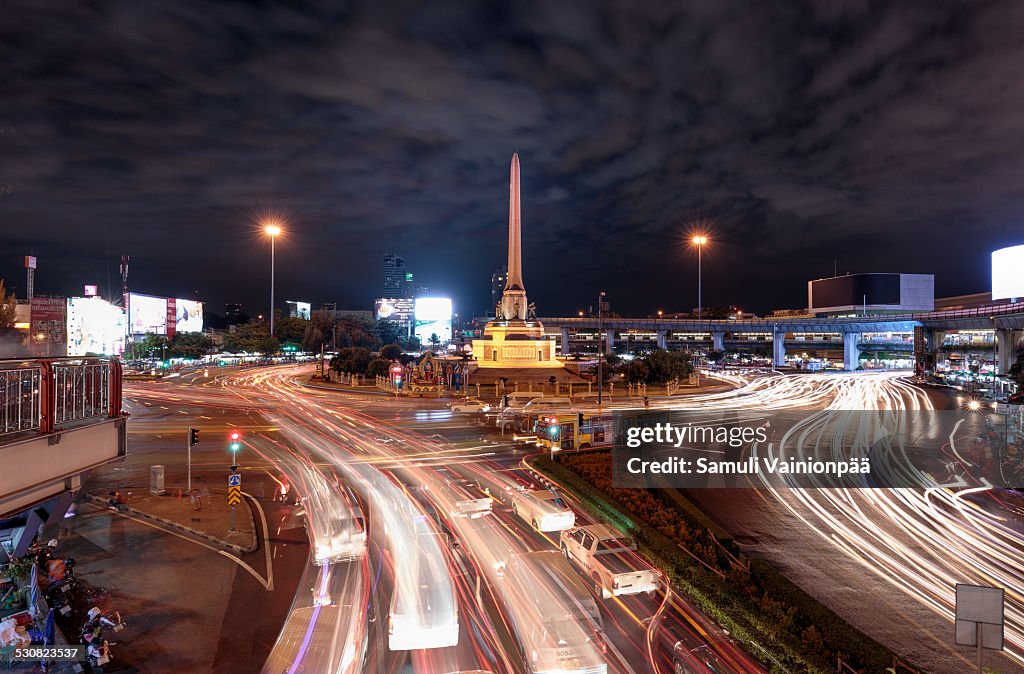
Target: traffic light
(235, 445)
(193, 437)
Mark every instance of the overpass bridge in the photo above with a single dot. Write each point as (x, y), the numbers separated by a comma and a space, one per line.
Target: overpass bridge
(59, 419)
(917, 332)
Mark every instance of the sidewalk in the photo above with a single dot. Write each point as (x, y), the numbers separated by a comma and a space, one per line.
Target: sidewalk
(211, 524)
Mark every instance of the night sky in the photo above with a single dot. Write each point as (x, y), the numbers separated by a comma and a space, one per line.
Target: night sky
(880, 136)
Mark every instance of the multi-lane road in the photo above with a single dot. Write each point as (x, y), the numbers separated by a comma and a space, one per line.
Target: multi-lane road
(412, 586)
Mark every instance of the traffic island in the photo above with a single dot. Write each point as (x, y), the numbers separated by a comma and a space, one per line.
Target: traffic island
(210, 525)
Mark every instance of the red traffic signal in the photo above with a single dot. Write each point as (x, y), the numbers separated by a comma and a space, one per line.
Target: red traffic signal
(235, 435)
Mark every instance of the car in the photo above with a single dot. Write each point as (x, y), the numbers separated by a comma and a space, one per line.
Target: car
(345, 538)
(699, 660)
(544, 510)
(469, 405)
(1016, 398)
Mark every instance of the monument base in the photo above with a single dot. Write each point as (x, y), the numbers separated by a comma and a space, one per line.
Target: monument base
(515, 344)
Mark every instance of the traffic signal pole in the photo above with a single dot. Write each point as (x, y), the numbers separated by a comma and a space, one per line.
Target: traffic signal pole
(188, 445)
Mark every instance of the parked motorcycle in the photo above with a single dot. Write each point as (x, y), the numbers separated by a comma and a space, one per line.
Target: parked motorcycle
(98, 648)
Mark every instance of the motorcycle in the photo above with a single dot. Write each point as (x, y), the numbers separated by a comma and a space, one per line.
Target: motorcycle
(98, 654)
(98, 648)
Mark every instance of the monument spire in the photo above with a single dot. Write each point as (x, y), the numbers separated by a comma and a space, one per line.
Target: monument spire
(515, 263)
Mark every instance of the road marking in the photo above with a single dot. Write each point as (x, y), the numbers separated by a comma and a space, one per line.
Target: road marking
(266, 541)
(183, 537)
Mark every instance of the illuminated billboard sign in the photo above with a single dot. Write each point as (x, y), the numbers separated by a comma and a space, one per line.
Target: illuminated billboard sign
(395, 310)
(1008, 273)
(147, 314)
(298, 309)
(92, 291)
(95, 326)
(188, 315)
(433, 319)
(47, 319)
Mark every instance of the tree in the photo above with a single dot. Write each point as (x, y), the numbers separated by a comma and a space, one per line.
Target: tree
(390, 352)
(354, 332)
(190, 345)
(351, 360)
(378, 367)
(251, 338)
(388, 332)
(290, 330)
(8, 307)
(413, 343)
(434, 340)
(637, 372)
(151, 346)
(666, 366)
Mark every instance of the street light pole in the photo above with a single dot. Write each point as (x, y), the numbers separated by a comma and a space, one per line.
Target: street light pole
(699, 241)
(600, 348)
(272, 230)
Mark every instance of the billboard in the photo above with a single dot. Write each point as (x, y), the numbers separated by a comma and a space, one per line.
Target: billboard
(95, 326)
(147, 314)
(188, 315)
(396, 310)
(92, 291)
(854, 289)
(47, 319)
(298, 309)
(1008, 273)
(433, 318)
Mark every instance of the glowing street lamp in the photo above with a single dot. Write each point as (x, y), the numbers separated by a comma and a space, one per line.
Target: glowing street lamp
(699, 241)
(272, 230)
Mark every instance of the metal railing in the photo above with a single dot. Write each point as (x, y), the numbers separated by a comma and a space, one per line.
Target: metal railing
(46, 393)
(80, 391)
(19, 398)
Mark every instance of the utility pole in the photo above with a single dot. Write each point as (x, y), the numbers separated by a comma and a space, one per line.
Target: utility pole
(600, 348)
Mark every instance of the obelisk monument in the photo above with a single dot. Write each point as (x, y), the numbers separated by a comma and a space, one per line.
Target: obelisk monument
(513, 299)
(514, 338)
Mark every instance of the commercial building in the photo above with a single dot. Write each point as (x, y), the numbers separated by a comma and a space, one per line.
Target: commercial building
(233, 313)
(871, 293)
(498, 278)
(334, 314)
(396, 285)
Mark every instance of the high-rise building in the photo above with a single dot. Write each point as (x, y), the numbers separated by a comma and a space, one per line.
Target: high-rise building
(395, 285)
(498, 279)
(233, 313)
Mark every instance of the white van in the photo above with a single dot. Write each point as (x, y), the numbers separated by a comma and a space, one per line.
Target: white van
(548, 403)
(519, 398)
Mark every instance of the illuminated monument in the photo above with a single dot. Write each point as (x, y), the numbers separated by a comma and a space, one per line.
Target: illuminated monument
(514, 337)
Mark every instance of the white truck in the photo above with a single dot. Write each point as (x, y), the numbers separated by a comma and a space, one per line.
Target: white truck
(543, 509)
(608, 559)
(554, 616)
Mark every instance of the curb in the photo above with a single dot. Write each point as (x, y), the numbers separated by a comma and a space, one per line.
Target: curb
(347, 390)
(181, 528)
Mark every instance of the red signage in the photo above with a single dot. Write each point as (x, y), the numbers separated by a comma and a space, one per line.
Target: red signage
(172, 311)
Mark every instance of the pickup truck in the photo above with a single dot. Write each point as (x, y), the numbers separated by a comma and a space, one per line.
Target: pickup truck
(543, 509)
(471, 500)
(606, 556)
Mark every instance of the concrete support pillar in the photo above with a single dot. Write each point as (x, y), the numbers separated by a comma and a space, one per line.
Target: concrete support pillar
(1006, 349)
(718, 341)
(779, 349)
(609, 341)
(565, 341)
(851, 350)
(662, 339)
(934, 339)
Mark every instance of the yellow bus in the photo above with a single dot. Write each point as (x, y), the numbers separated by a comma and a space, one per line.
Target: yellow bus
(574, 430)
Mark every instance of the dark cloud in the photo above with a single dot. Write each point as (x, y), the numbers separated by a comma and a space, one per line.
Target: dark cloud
(886, 136)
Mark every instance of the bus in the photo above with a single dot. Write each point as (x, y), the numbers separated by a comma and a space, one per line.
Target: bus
(575, 430)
